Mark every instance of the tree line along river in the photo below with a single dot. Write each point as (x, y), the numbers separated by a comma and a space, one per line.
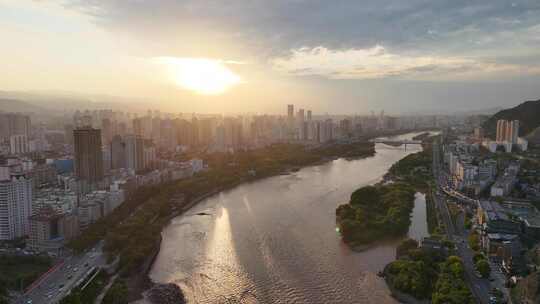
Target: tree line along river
(275, 240)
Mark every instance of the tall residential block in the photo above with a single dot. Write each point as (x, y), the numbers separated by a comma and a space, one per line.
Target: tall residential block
(507, 131)
(15, 206)
(134, 148)
(19, 144)
(14, 124)
(88, 155)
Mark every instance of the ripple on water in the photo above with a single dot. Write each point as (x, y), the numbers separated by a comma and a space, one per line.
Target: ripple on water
(274, 241)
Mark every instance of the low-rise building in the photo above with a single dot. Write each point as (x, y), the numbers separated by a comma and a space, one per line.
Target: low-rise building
(507, 248)
(50, 229)
(46, 230)
(495, 219)
(506, 182)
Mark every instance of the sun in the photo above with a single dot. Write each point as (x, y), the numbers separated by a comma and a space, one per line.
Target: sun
(201, 75)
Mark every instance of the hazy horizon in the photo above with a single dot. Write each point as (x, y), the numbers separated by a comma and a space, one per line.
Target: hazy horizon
(255, 57)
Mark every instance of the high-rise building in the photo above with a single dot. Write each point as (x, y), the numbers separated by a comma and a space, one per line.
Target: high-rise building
(345, 127)
(194, 132)
(156, 129)
(183, 131)
(149, 154)
(19, 144)
(68, 134)
(134, 146)
(88, 155)
(478, 133)
(138, 126)
(15, 206)
(290, 111)
(308, 115)
(300, 117)
(169, 139)
(118, 153)
(507, 131)
(107, 131)
(291, 134)
(515, 131)
(14, 124)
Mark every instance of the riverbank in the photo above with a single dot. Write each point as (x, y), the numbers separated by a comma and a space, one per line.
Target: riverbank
(382, 211)
(426, 274)
(132, 239)
(399, 295)
(376, 213)
(211, 256)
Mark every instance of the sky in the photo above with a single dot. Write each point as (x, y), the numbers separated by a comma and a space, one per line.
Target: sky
(336, 57)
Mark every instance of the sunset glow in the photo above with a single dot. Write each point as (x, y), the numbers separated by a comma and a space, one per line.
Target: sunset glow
(200, 75)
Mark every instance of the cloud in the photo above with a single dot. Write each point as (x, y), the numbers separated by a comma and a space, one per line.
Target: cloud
(376, 62)
(271, 28)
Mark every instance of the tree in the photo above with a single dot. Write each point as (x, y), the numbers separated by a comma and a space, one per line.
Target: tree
(3, 293)
(117, 294)
(406, 246)
(478, 256)
(345, 211)
(483, 268)
(73, 298)
(451, 287)
(473, 241)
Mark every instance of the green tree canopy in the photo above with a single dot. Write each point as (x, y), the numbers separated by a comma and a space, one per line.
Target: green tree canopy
(483, 268)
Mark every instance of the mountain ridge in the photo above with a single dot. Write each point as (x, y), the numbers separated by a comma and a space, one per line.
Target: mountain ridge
(528, 114)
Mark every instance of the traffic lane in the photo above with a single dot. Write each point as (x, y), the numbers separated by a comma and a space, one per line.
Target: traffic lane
(50, 283)
(49, 291)
(89, 260)
(499, 278)
(481, 286)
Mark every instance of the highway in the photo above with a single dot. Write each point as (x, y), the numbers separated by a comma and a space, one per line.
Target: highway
(480, 287)
(57, 283)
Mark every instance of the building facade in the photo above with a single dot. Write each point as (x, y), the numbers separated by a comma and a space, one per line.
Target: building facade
(88, 155)
(15, 207)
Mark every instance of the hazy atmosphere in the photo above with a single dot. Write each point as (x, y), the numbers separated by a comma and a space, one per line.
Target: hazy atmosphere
(269, 151)
(255, 56)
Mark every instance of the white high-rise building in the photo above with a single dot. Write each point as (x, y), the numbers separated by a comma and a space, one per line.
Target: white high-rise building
(15, 207)
(19, 144)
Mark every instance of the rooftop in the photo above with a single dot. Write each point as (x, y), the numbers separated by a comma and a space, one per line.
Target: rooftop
(494, 211)
(532, 221)
(46, 214)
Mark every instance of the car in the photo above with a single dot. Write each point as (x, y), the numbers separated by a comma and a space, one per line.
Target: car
(75, 269)
(69, 277)
(29, 301)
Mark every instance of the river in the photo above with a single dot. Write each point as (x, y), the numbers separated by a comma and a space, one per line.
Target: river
(275, 240)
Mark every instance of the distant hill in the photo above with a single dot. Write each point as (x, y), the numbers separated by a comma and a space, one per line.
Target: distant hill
(14, 105)
(60, 102)
(528, 114)
(483, 112)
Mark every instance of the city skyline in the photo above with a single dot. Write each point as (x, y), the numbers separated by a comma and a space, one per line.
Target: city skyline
(209, 58)
(270, 151)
